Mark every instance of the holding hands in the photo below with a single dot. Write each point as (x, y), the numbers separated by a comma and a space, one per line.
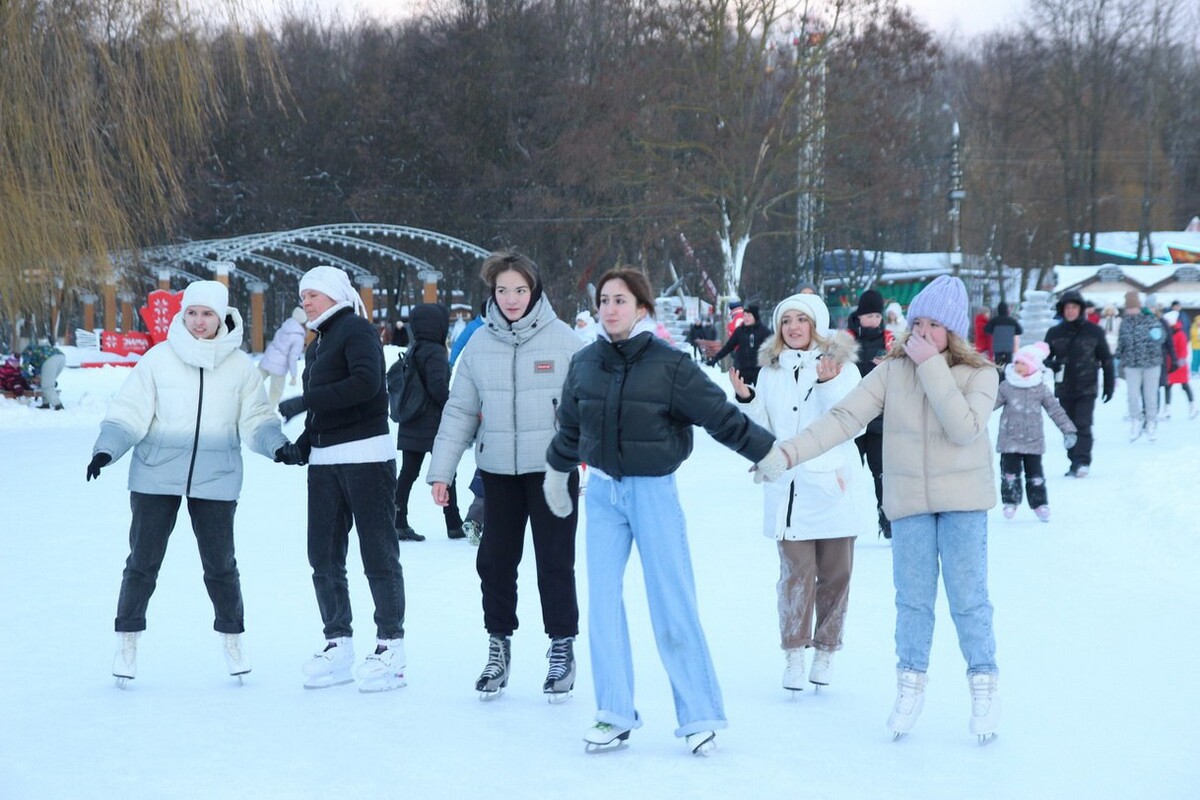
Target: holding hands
(773, 465)
(291, 407)
(291, 454)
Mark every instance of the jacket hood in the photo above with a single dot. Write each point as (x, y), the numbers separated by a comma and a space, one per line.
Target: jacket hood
(841, 347)
(206, 353)
(1070, 296)
(539, 315)
(430, 322)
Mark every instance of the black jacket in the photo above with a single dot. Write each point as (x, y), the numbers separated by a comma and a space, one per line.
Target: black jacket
(744, 344)
(1079, 349)
(628, 409)
(344, 387)
(429, 325)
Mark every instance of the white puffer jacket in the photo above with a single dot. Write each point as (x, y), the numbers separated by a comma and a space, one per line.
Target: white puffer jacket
(831, 495)
(184, 409)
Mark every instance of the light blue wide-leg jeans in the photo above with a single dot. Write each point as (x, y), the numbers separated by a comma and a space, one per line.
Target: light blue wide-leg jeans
(646, 510)
(958, 540)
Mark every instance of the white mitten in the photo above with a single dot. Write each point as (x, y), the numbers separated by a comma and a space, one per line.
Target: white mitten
(773, 465)
(558, 496)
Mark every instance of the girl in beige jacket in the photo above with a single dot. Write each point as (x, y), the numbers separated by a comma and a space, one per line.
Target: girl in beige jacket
(938, 483)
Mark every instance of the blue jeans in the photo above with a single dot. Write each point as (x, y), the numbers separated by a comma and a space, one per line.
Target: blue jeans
(362, 495)
(958, 539)
(647, 511)
(153, 520)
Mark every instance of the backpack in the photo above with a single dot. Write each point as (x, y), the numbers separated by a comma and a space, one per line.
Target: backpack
(406, 393)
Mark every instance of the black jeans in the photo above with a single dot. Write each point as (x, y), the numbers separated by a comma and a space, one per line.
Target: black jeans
(511, 500)
(153, 520)
(1080, 408)
(362, 495)
(410, 470)
(870, 448)
(1011, 465)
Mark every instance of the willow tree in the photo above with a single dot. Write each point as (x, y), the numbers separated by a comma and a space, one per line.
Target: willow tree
(101, 106)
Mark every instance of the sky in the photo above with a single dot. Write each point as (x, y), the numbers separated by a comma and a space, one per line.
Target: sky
(947, 17)
(1095, 622)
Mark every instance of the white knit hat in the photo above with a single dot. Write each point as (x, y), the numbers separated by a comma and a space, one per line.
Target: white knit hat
(334, 284)
(811, 306)
(210, 294)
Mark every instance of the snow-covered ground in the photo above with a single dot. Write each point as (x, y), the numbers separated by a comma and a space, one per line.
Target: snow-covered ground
(1096, 616)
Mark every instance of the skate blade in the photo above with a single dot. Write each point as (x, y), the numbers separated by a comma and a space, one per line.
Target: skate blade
(707, 747)
(618, 742)
(898, 735)
(374, 687)
(984, 739)
(487, 696)
(558, 698)
(122, 681)
(327, 684)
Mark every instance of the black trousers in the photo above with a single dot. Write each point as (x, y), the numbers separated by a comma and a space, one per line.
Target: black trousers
(1080, 408)
(513, 500)
(410, 470)
(870, 448)
(1011, 465)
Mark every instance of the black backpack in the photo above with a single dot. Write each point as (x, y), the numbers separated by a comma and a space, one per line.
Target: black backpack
(406, 393)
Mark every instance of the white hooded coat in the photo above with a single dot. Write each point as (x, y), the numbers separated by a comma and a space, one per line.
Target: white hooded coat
(184, 409)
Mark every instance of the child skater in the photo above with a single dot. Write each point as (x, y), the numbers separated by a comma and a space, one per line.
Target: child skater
(1023, 394)
(184, 410)
(938, 484)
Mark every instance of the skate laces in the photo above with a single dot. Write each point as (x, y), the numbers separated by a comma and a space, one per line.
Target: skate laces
(561, 654)
(910, 690)
(983, 690)
(128, 649)
(496, 664)
(233, 647)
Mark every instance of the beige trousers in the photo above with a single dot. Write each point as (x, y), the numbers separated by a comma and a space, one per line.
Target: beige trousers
(814, 584)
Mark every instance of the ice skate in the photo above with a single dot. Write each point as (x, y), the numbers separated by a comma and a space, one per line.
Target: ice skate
(331, 666)
(1152, 430)
(235, 657)
(1043, 513)
(795, 669)
(383, 670)
(1192, 410)
(473, 531)
(702, 743)
(125, 660)
(1010, 512)
(1135, 430)
(603, 737)
(910, 699)
(560, 678)
(495, 673)
(985, 705)
(822, 666)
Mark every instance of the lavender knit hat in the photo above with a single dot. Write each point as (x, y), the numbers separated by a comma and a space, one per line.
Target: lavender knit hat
(945, 301)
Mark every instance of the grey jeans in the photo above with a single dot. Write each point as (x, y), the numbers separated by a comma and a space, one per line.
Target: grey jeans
(1142, 386)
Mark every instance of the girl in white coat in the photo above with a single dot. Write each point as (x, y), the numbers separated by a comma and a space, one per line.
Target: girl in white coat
(183, 410)
(818, 508)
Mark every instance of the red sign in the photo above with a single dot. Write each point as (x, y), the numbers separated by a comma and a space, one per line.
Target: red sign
(123, 343)
(161, 307)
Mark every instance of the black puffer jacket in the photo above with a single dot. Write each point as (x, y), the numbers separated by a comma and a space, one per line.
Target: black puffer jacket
(428, 326)
(344, 388)
(628, 409)
(744, 344)
(1079, 349)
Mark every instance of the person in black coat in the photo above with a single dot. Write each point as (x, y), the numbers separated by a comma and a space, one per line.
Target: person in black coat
(874, 341)
(1005, 333)
(428, 326)
(1078, 350)
(744, 344)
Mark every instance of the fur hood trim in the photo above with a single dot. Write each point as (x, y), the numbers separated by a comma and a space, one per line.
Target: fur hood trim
(841, 347)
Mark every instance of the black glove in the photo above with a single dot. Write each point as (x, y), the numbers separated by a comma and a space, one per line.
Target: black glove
(291, 454)
(291, 407)
(1107, 395)
(99, 460)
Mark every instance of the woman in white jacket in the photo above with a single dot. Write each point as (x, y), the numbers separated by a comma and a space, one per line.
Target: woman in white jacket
(818, 508)
(184, 410)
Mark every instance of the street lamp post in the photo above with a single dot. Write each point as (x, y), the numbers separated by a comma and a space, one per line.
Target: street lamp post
(956, 195)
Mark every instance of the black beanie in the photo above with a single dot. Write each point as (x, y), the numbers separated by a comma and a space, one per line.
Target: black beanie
(1002, 309)
(753, 310)
(869, 302)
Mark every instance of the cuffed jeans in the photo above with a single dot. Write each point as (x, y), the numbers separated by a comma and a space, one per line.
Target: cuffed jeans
(958, 539)
(362, 495)
(645, 510)
(153, 520)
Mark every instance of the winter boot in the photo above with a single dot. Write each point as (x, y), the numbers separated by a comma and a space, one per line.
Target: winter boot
(796, 670)
(985, 705)
(456, 532)
(407, 534)
(235, 657)
(125, 661)
(1043, 513)
(495, 673)
(383, 670)
(560, 678)
(910, 699)
(822, 665)
(603, 736)
(331, 666)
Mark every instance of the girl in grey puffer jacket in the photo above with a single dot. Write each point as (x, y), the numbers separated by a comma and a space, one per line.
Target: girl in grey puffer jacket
(1023, 394)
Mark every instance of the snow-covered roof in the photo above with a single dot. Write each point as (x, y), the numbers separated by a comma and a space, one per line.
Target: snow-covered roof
(1123, 244)
(1106, 284)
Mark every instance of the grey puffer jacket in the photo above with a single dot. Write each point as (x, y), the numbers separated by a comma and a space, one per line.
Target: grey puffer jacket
(1140, 341)
(505, 394)
(1021, 421)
